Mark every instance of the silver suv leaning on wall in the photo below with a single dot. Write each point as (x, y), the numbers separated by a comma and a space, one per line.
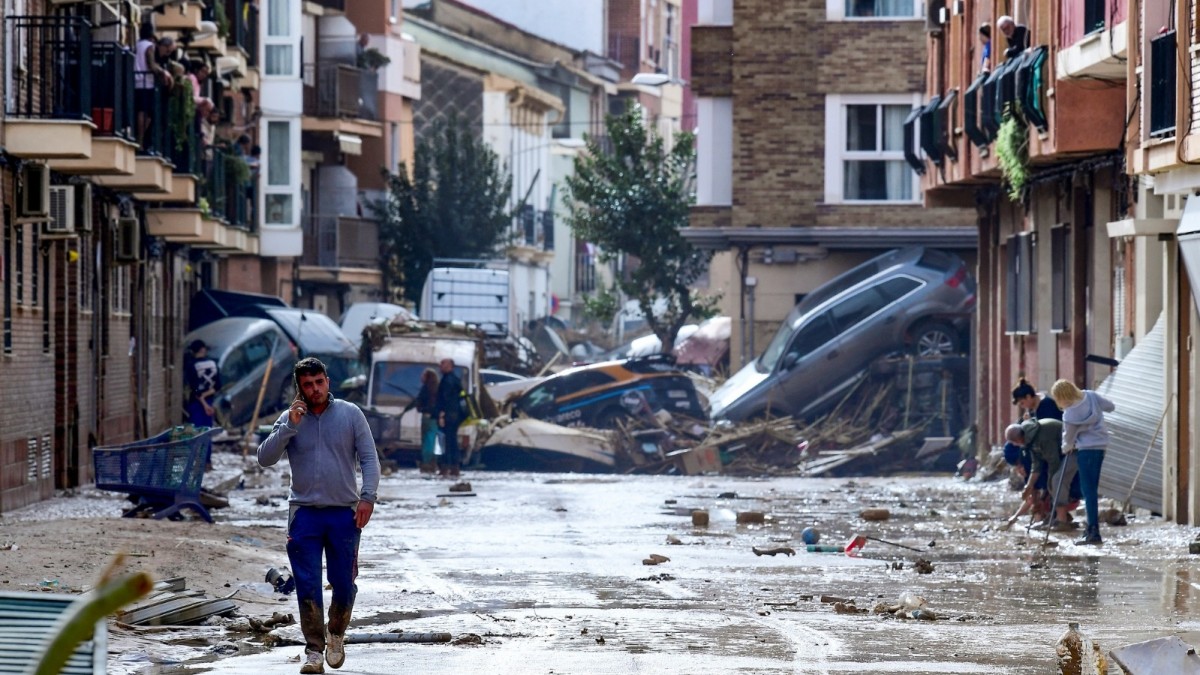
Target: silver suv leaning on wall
(916, 299)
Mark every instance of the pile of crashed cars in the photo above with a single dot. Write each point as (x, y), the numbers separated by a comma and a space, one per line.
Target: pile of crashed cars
(867, 374)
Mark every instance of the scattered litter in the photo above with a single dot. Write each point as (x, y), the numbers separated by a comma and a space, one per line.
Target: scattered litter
(810, 535)
(657, 577)
(923, 566)
(751, 517)
(673, 540)
(700, 518)
(282, 582)
(655, 559)
(875, 515)
(467, 639)
(1153, 657)
(774, 551)
(461, 486)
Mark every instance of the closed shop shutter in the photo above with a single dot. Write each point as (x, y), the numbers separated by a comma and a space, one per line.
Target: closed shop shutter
(1136, 388)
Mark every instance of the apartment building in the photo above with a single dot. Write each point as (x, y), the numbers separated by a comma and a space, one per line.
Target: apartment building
(1159, 242)
(801, 169)
(114, 212)
(361, 77)
(1083, 234)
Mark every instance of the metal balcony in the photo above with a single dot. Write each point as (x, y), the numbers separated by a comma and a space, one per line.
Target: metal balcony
(341, 241)
(54, 80)
(340, 90)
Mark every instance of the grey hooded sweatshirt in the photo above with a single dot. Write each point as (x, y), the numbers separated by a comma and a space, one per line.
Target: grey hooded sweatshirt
(1083, 423)
(323, 451)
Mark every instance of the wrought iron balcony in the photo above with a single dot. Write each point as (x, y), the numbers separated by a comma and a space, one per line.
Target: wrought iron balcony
(1162, 85)
(112, 91)
(340, 241)
(340, 90)
(55, 55)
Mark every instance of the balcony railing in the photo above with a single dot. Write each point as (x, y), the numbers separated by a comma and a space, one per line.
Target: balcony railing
(54, 78)
(150, 114)
(112, 91)
(1162, 85)
(535, 228)
(585, 271)
(215, 190)
(240, 191)
(340, 90)
(339, 241)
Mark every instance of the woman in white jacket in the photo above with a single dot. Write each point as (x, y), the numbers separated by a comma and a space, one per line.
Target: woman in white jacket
(1085, 435)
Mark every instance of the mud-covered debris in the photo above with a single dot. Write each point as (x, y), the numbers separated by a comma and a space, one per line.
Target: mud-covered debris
(467, 639)
(461, 486)
(923, 614)
(751, 517)
(1114, 517)
(764, 612)
(671, 501)
(583, 631)
(785, 550)
(658, 577)
(875, 515)
(727, 495)
(700, 518)
(898, 565)
(600, 640)
(673, 540)
(655, 559)
(848, 608)
(830, 599)
(225, 648)
(923, 566)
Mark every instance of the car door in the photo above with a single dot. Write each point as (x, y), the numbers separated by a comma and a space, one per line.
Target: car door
(865, 331)
(800, 379)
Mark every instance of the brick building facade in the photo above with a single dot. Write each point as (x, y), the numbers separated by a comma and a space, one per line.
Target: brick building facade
(801, 170)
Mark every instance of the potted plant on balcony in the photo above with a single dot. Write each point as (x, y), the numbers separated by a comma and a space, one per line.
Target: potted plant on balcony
(372, 59)
(181, 111)
(1012, 154)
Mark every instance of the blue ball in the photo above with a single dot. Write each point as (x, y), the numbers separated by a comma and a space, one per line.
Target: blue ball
(810, 535)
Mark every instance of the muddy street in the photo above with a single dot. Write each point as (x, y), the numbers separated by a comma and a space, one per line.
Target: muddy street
(547, 570)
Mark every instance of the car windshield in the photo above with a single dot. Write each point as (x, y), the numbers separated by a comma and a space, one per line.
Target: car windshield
(395, 383)
(774, 350)
(339, 368)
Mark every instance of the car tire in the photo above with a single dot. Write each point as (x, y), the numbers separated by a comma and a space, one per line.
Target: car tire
(607, 419)
(935, 338)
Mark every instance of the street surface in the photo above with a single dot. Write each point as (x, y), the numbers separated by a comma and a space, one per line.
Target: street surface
(547, 570)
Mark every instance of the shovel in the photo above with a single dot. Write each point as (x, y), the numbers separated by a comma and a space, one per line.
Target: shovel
(858, 541)
(1046, 543)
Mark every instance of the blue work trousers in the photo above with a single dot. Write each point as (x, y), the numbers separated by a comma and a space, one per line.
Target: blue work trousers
(1090, 461)
(314, 530)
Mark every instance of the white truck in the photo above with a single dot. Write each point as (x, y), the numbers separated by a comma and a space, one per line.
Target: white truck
(478, 296)
(402, 350)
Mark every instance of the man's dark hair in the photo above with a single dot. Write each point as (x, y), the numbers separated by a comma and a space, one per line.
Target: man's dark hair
(308, 366)
(986, 30)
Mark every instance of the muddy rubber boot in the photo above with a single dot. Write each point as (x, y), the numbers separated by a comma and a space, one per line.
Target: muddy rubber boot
(1091, 537)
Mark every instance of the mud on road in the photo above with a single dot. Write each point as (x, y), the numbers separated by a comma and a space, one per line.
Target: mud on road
(548, 571)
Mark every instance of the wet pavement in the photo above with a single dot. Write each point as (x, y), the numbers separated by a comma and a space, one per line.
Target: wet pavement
(547, 570)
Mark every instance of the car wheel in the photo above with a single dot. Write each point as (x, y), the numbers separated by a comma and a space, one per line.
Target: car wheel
(608, 418)
(935, 338)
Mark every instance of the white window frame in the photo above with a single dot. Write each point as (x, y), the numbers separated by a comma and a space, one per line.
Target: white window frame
(292, 39)
(836, 11)
(292, 188)
(835, 143)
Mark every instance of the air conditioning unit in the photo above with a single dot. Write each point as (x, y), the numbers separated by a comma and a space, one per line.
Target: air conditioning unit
(70, 210)
(33, 200)
(62, 212)
(128, 245)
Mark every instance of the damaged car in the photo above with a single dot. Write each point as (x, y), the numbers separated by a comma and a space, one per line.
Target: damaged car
(914, 299)
(599, 395)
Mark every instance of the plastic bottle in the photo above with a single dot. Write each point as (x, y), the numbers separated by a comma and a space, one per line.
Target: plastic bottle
(1072, 647)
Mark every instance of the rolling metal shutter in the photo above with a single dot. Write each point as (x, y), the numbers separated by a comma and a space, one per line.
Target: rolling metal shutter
(26, 620)
(1136, 388)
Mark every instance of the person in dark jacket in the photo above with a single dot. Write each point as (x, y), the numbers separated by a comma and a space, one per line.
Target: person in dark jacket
(425, 402)
(448, 409)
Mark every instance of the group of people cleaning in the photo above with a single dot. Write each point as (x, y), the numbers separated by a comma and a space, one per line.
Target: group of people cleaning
(1057, 448)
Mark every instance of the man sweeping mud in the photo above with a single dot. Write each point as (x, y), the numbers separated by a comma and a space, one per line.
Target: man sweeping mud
(324, 439)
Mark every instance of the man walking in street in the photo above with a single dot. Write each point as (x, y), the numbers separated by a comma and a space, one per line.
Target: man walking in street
(449, 415)
(325, 439)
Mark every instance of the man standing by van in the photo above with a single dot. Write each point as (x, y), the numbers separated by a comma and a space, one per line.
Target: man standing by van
(325, 440)
(449, 415)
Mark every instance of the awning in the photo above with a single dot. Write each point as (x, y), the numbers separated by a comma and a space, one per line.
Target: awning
(1136, 387)
(349, 144)
(1188, 236)
(833, 238)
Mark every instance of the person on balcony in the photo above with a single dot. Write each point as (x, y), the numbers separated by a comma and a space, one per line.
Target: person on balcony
(1016, 34)
(148, 59)
(197, 73)
(985, 50)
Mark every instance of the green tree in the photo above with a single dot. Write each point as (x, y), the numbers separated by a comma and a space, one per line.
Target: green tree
(452, 206)
(630, 194)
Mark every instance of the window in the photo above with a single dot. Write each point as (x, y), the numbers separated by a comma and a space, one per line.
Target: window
(857, 308)
(816, 334)
(1060, 278)
(865, 149)
(278, 199)
(279, 50)
(897, 287)
(838, 10)
(1020, 283)
(585, 379)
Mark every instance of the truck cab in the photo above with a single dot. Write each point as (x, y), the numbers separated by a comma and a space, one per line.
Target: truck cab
(394, 379)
